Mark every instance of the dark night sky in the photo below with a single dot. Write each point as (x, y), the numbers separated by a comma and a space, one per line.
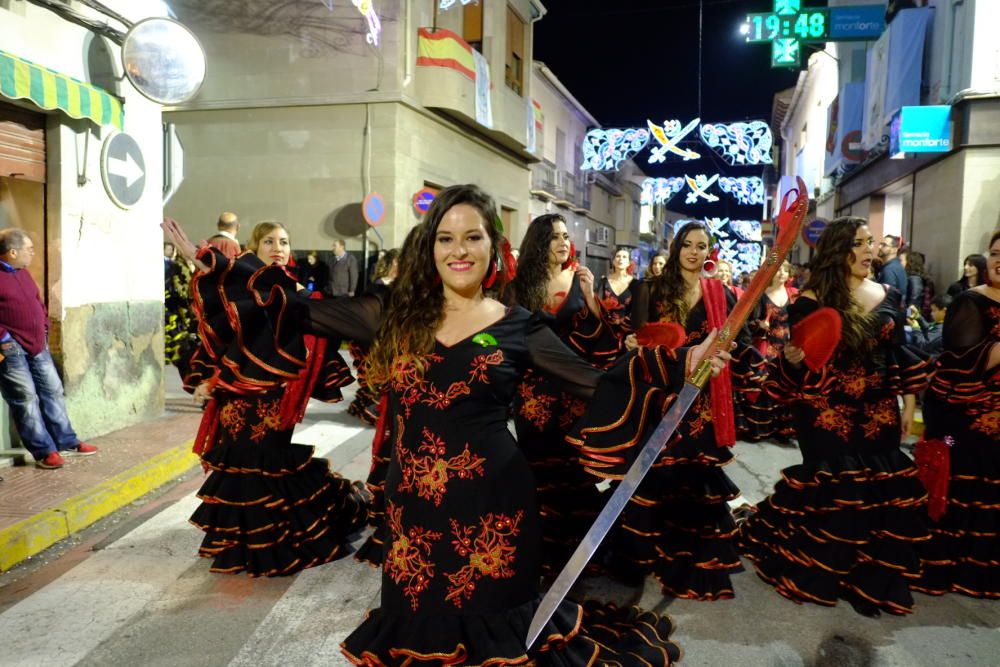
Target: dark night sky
(629, 60)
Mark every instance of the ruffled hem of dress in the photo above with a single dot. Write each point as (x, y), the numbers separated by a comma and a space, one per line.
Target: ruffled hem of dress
(595, 634)
(850, 527)
(275, 511)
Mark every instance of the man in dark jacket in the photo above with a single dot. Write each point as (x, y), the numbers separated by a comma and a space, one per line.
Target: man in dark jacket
(28, 378)
(343, 271)
(893, 273)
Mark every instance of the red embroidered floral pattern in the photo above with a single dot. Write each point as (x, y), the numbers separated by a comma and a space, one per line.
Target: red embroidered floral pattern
(268, 419)
(535, 408)
(572, 409)
(233, 416)
(835, 419)
(994, 312)
(701, 417)
(481, 366)
(988, 423)
(489, 552)
(410, 385)
(428, 475)
(882, 414)
(408, 561)
(855, 382)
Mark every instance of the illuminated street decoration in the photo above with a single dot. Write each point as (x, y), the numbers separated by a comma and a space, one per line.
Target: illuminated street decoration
(739, 242)
(739, 143)
(660, 190)
(699, 188)
(605, 150)
(747, 190)
(668, 136)
(790, 25)
(367, 9)
(445, 5)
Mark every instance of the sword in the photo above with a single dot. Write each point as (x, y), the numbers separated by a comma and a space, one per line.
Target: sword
(789, 225)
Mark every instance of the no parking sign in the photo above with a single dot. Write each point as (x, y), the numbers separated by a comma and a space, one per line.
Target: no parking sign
(813, 230)
(422, 200)
(373, 209)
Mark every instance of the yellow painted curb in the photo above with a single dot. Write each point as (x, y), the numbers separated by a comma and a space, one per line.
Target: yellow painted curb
(34, 535)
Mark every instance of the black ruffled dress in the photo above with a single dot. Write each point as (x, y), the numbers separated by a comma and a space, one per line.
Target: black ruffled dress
(678, 526)
(847, 521)
(268, 507)
(963, 403)
(568, 500)
(462, 534)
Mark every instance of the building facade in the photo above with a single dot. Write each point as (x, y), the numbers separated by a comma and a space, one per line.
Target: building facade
(944, 204)
(302, 116)
(62, 97)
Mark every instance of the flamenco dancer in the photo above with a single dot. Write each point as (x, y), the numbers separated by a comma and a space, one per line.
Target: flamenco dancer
(268, 507)
(461, 568)
(560, 293)
(962, 409)
(770, 418)
(616, 290)
(678, 526)
(848, 521)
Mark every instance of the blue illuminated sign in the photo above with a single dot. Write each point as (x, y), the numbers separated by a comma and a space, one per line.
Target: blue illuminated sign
(920, 130)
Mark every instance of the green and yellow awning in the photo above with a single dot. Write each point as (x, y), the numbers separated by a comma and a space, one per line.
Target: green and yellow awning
(24, 80)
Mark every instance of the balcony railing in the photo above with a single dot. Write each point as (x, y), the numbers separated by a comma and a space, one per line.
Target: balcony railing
(543, 180)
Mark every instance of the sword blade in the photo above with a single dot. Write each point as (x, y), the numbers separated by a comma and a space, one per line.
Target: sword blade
(609, 514)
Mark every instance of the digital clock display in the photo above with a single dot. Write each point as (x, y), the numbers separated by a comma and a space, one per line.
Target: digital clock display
(805, 26)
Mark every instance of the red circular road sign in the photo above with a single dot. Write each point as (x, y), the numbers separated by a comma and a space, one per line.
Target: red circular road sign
(422, 200)
(373, 209)
(813, 230)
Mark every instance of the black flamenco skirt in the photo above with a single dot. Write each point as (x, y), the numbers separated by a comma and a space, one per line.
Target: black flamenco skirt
(679, 528)
(963, 555)
(270, 509)
(844, 528)
(592, 634)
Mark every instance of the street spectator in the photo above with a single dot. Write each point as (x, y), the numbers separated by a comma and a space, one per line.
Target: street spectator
(387, 267)
(314, 274)
(919, 285)
(892, 273)
(973, 275)
(225, 238)
(28, 378)
(343, 271)
(926, 334)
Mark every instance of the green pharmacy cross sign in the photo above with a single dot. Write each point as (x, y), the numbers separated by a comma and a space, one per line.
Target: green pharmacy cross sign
(789, 26)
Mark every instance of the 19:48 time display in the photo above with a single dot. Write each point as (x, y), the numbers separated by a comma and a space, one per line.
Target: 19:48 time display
(805, 26)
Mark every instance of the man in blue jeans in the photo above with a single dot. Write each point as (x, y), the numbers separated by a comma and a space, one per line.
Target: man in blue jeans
(28, 378)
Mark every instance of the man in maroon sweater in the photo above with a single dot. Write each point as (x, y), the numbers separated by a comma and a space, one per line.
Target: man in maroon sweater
(28, 378)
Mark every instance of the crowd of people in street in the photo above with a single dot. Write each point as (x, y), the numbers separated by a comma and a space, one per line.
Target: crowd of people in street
(452, 338)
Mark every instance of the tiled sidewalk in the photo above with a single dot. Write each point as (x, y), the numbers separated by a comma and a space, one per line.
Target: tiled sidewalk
(40, 507)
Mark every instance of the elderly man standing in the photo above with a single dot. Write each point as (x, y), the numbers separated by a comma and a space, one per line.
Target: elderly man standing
(28, 378)
(225, 238)
(343, 271)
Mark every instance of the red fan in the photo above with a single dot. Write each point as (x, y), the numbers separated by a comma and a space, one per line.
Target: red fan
(662, 334)
(818, 335)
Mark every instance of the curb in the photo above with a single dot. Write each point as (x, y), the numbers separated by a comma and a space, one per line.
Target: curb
(33, 535)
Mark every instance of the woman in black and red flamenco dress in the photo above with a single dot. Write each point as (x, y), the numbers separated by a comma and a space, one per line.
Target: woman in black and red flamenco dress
(560, 293)
(462, 562)
(848, 521)
(616, 291)
(268, 507)
(678, 526)
(772, 419)
(962, 408)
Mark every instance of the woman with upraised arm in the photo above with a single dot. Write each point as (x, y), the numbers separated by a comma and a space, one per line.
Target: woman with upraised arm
(846, 523)
(678, 525)
(268, 507)
(962, 445)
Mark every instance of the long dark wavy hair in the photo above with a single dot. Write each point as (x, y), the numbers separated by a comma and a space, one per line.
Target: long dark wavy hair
(416, 305)
(529, 289)
(915, 264)
(667, 289)
(828, 274)
(978, 261)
